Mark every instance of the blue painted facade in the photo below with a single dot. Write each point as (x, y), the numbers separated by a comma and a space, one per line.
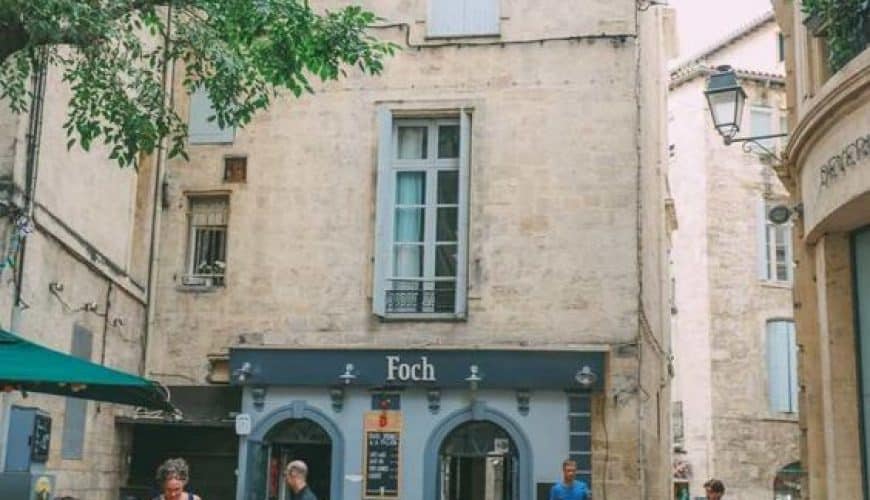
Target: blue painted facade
(539, 432)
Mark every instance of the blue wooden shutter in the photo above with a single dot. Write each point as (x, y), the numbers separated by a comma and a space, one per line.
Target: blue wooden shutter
(73, 437)
(481, 17)
(779, 372)
(200, 129)
(463, 17)
(761, 241)
(794, 385)
(383, 207)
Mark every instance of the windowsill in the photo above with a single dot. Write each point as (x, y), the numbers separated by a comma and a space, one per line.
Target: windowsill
(398, 317)
(788, 285)
(450, 38)
(782, 417)
(198, 289)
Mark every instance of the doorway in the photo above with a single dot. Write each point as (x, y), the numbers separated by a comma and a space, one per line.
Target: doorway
(298, 439)
(478, 461)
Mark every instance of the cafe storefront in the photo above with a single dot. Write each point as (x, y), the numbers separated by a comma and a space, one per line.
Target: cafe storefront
(414, 424)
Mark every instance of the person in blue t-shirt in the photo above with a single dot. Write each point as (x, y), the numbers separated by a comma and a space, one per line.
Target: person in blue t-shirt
(570, 488)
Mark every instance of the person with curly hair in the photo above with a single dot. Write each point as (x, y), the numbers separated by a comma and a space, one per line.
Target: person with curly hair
(172, 477)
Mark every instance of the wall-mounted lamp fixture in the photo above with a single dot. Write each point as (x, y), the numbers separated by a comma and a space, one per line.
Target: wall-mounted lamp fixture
(586, 377)
(433, 396)
(244, 372)
(258, 394)
(348, 376)
(780, 214)
(523, 398)
(725, 98)
(474, 377)
(336, 394)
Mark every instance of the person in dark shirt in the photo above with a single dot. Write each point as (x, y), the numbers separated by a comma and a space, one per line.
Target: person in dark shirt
(570, 488)
(297, 481)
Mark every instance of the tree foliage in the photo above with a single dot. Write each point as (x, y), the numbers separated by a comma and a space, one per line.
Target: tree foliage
(114, 54)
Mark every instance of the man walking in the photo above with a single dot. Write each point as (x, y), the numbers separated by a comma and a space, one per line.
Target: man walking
(297, 481)
(570, 488)
(715, 489)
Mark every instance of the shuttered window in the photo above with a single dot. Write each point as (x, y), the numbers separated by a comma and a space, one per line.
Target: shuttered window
(463, 17)
(200, 129)
(207, 247)
(422, 217)
(782, 378)
(761, 123)
(75, 414)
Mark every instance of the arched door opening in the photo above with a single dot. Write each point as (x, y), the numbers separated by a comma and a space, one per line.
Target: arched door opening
(787, 483)
(297, 439)
(478, 461)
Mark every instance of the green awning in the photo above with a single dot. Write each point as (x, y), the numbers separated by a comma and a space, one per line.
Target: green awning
(31, 367)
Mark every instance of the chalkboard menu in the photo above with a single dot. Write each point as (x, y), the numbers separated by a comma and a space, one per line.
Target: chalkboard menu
(382, 464)
(382, 460)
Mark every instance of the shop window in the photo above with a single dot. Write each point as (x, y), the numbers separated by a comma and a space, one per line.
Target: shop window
(202, 127)
(775, 247)
(861, 259)
(580, 435)
(75, 415)
(479, 460)
(207, 244)
(782, 378)
(422, 217)
(463, 17)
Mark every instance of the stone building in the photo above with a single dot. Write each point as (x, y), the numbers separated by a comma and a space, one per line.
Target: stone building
(453, 275)
(735, 391)
(73, 274)
(827, 172)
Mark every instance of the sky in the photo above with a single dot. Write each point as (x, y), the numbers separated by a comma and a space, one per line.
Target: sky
(703, 22)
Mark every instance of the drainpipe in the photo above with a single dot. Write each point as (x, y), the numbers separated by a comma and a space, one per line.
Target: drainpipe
(159, 176)
(32, 139)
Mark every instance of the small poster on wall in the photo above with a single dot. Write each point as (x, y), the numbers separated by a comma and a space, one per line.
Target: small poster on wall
(382, 454)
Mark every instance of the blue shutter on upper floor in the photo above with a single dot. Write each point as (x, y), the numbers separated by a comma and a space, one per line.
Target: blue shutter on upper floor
(463, 17)
(75, 415)
(202, 131)
(781, 366)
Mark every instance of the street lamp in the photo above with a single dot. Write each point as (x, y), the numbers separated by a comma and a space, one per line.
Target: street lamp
(725, 97)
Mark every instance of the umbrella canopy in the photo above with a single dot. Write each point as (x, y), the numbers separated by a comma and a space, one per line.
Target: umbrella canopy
(31, 367)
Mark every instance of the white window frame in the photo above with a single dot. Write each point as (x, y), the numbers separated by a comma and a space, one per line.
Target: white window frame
(770, 144)
(210, 279)
(791, 406)
(199, 129)
(767, 263)
(440, 24)
(388, 166)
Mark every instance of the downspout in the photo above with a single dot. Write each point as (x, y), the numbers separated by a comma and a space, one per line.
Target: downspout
(34, 134)
(641, 414)
(159, 176)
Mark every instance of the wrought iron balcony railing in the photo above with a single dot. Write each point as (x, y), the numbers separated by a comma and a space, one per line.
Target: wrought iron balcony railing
(420, 301)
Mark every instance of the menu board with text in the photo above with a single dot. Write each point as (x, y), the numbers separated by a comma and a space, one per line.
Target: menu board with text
(382, 460)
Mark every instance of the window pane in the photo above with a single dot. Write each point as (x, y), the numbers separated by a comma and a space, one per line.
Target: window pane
(579, 424)
(448, 187)
(448, 141)
(580, 443)
(410, 188)
(409, 224)
(408, 261)
(445, 260)
(579, 404)
(412, 143)
(445, 296)
(447, 218)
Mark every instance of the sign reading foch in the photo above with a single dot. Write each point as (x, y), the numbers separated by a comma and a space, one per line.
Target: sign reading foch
(417, 372)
